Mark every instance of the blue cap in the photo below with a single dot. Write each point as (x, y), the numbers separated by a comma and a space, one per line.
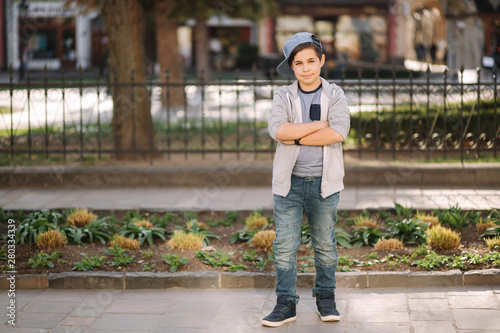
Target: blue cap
(292, 42)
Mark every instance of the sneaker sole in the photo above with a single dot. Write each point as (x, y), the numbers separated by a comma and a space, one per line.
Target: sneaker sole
(329, 318)
(278, 323)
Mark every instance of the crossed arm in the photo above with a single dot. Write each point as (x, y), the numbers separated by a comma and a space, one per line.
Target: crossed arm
(316, 133)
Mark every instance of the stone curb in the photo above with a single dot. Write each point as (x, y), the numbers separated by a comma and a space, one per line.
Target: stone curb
(408, 174)
(214, 280)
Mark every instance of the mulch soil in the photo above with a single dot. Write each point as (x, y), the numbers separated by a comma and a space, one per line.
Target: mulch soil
(72, 253)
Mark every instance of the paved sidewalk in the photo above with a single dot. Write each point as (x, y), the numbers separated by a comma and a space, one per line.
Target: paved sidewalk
(239, 198)
(453, 309)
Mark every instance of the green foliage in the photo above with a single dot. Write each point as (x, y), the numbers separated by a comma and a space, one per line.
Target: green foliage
(100, 229)
(365, 236)
(134, 231)
(146, 266)
(194, 228)
(175, 261)
(245, 235)
(35, 223)
(343, 237)
(218, 258)
(237, 267)
(384, 215)
(231, 218)
(3, 252)
(147, 254)
(120, 256)
(42, 259)
(403, 212)
(87, 263)
(371, 256)
(407, 231)
(453, 217)
(421, 250)
(252, 257)
(4, 217)
(189, 216)
(431, 261)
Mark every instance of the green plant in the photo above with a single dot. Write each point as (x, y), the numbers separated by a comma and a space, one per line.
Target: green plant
(147, 254)
(87, 263)
(343, 238)
(408, 231)
(194, 228)
(244, 235)
(142, 231)
(403, 212)
(146, 266)
(431, 261)
(237, 267)
(421, 250)
(3, 252)
(42, 259)
(51, 239)
(384, 215)
(346, 261)
(231, 218)
(492, 231)
(218, 258)
(364, 220)
(100, 229)
(189, 216)
(454, 218)
(252, 257)
(35, 223)
(365, 236)
(441, 238)
(120, 256)
(175, 261)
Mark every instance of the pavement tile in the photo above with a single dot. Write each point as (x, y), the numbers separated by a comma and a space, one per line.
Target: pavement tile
(428, 292)
(485, 319)
(236, 305)
(430, 315)
(428, 304)
(137, 322)
(469, 290)
(473, 302)
(378, 304)
(67, 329)
(62, 295)
(77, 321)
(377, 327)
(359, 316)
(317, 328)
(128, 305)
(38, 320)
(16, 329)
(27, 295)
(250, 293)
(433, 326)
(202, 319)
(50, 307)
(179, 330)
(243, 319)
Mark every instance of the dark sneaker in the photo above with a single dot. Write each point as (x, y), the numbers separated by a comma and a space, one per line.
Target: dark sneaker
(325, 301)
(283, 312)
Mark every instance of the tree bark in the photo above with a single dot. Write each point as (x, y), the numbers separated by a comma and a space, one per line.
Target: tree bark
(132, 124)
(167, 51)
(202, 49)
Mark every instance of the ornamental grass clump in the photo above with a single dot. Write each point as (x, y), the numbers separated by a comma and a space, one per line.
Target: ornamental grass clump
(256, 221)
(185, 241)
(80, 217)
(264, 239)
(199, 224)
(484, 225)
(366, 221)
(493, 243)
(125, 242)
(144, 224)
(441, 238)
(388, 244)
(51, 239)
(432, 219)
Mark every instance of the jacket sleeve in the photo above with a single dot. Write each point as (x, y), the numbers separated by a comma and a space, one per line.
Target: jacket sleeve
(278, 115)
(338, 115)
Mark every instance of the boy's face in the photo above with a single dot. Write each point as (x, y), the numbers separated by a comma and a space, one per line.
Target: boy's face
(307, 67)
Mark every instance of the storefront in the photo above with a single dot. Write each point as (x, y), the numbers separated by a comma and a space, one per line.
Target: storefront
(50, 35)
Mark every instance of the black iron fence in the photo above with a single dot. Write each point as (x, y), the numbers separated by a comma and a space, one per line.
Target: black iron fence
(58, 118)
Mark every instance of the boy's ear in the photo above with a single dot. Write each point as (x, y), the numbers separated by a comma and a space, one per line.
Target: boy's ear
(322, 60)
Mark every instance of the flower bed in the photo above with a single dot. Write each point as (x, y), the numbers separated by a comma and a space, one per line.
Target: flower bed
(396, 239)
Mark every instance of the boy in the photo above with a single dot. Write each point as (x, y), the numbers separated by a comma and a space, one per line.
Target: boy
(310, 120)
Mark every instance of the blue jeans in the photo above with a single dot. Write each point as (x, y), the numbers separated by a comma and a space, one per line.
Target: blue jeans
(305, 196)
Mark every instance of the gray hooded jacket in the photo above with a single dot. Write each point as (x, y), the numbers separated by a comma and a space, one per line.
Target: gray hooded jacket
(287, 109)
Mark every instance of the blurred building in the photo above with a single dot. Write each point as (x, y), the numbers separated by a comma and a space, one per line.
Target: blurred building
(50, 35)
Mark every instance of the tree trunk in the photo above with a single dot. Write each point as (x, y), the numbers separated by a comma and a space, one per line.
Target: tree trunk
(202, 51)
(167, 51)
(132, 125)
